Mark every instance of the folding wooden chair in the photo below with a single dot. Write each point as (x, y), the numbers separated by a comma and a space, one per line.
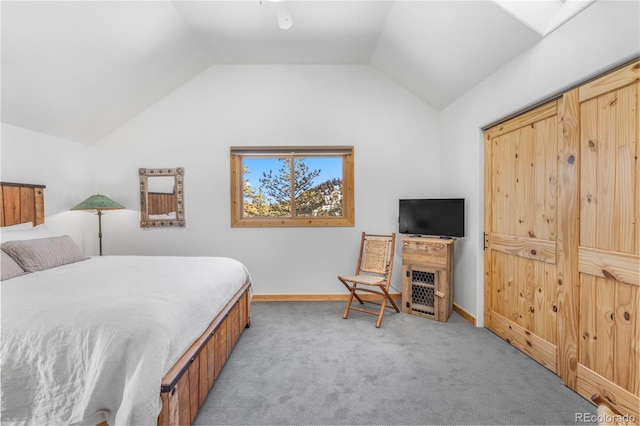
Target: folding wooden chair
(373, 274)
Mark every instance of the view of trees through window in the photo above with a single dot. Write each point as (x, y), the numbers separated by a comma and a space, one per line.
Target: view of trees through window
(314, 184)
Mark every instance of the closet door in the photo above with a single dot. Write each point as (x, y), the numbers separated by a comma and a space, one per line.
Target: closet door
(521, 197)
(609, 244)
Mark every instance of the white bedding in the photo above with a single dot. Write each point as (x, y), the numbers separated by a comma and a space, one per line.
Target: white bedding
(90, 341)
(164, 216)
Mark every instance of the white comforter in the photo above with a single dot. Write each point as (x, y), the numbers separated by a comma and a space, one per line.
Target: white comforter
(90, 341)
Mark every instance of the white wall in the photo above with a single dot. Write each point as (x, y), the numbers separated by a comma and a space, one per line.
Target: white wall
(396, 155)
(66, 168)
(403, 149)
(604, 35)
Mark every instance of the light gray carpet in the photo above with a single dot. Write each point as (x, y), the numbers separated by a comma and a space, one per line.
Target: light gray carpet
(300, 363)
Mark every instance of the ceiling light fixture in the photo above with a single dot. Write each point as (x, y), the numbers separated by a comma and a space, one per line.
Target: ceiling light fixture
(284, 15)
(283, 12)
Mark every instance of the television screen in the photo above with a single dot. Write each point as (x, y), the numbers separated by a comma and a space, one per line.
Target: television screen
(442, 217)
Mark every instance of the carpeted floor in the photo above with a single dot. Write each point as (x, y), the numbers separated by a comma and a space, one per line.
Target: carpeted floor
(300, 363)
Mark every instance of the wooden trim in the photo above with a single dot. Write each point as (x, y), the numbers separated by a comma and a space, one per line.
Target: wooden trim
(535, 346)
(621, 267)
(22, 185)
(315, 297)
(590, 382)
(290, 149)
(568, 237)
(235, 187)
(464, 314)
(488, 172)
(288, 222)
(533, 116)
(348, 189)
(611, 81)
(530, 248)
(556, 95)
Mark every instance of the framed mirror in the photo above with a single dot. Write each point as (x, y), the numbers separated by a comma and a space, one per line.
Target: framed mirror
(161, 197)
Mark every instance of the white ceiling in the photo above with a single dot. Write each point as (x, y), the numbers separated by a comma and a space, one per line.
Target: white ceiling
(80, 69)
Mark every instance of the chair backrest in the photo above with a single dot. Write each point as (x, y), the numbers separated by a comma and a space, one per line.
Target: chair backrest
(376, 254)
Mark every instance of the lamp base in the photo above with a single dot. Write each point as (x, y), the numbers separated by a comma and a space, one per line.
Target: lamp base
(100, 230)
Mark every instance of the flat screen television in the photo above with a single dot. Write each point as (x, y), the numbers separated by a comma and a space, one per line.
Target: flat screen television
(442, 217)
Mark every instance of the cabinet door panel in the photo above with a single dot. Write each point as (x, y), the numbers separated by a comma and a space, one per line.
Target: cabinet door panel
(609, 253)
(521, 197)
(422, 292)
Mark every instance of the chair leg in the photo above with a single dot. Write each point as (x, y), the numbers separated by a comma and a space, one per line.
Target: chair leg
(349, 288)
(383, 306)
(388, 296)
(348, 307)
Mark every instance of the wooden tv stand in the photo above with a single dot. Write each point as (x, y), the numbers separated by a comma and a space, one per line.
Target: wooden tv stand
(427, 277)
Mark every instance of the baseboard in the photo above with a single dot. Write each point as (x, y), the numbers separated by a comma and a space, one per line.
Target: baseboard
(464, 314)
(315, 297)
(341, 298)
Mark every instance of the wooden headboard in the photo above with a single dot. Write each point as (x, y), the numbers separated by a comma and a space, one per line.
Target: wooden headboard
(20, 203)
(161, 203)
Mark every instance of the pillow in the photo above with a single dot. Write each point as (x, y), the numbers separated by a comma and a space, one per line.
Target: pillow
(17, 227)
(18, 234)
(9, 268)
(43, 253)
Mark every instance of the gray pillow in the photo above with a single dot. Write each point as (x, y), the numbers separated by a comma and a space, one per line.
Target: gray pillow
(43, 253)
(9, 268)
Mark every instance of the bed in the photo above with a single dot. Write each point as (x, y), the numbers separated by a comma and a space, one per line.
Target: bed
(113, 339)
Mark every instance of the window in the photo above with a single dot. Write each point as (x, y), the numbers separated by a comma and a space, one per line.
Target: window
(292, 186)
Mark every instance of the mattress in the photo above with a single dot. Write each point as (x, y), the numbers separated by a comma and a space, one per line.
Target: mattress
(90, 341)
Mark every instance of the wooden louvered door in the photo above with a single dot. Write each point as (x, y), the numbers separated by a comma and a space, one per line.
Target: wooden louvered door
(521, 191)
(562, 243)
(609, 244)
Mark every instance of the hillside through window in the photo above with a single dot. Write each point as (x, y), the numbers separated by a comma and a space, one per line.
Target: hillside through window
(292, 186)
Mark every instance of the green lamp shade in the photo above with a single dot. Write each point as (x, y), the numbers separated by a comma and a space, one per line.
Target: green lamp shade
(98, 202)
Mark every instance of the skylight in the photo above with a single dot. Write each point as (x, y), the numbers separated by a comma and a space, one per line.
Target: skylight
(544, 16)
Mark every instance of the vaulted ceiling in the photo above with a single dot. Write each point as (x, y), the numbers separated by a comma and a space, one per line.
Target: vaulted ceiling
(78, 70)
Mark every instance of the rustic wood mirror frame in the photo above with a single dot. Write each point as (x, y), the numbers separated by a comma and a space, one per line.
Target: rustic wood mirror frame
(147, 217)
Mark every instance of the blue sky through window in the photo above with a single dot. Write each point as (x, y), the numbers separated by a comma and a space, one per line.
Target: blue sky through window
(330, 167)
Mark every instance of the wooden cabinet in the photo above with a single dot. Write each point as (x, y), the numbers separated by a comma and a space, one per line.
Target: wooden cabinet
(427, 277)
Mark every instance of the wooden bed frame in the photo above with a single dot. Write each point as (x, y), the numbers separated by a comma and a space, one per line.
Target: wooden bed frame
(185, 386)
